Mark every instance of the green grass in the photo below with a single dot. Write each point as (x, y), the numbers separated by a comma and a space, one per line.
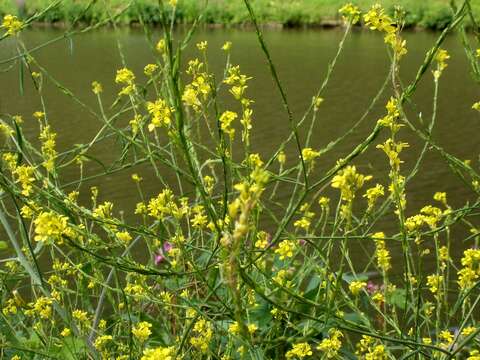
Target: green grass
(432, 14)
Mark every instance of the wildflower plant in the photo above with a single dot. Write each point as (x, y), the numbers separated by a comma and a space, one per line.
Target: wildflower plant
(213, 279)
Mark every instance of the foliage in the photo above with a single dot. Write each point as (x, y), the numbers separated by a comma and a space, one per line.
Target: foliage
(219, 264)
(433, 14)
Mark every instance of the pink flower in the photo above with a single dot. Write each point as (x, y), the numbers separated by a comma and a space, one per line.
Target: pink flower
(167, 246)
(158, 258)
(372, 287)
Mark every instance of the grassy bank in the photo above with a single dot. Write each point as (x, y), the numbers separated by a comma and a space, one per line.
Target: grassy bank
(432, 14)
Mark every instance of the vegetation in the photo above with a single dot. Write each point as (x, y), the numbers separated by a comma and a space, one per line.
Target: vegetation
(433, 14)
(217, 265)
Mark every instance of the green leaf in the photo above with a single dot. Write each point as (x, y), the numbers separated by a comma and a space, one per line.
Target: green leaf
(72, 348)
(397, 298)
(313, 284)
(348, 278)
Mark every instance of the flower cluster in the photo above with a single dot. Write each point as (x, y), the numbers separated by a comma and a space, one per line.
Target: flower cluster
(350, 13)
(203, 333)
(368, 348)
(299, 351)
(199, 89)
(381, 252)
(238, 85)
(286, 249)
(332, 344)
(376, 19)
(127, 78)
(161, 114)
(441, 57)
(349, 181)
(12, 24)
(49, 227)
(468, 275)
(142, 331)
(47, 137)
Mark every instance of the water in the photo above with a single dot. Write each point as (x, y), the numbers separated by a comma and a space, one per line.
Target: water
(301, 58)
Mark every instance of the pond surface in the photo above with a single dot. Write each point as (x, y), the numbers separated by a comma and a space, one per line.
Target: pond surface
(301, 58)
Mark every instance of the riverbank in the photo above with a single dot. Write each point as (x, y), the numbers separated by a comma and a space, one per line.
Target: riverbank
(429, 14)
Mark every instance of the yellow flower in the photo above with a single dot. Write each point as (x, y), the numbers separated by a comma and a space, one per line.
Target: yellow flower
(10, 307)
(159, 353)
(372, 194)
(441, 197)
(331, 345)
(350, 13)
(356, 287)
(96, 87)
(142, 331)
(49, 226)
(190, 98)
(149, 69)
(303, 223)
(468, 330)
(124, 76)
(392, 149)
(281, 158)
(446, 337)
(381, 252)
(441, 57)
(474, 355)
(173, 2)
(376, 19)
(299, 351)
(317, 101)
(101, 341)
(25, 176)
(66, 332)
(226, 120)
(476, 106)
(12, 24)
(367, 349)
(47, 137)
(227, 46)
(136, 178)
(199, 219)
(378, 298)
(349, 181)
(434, 282)
(80, 315)
(323, 201)
(124, 237)
(427, 341)
(468, 275)
(161, 45)
(262, 240)
(39, 115)
(234, 328)
(285, 249)
(203, 334)
(309, 154)
(42, 307)
(161, 114)
(398, 45)
(202, 46)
